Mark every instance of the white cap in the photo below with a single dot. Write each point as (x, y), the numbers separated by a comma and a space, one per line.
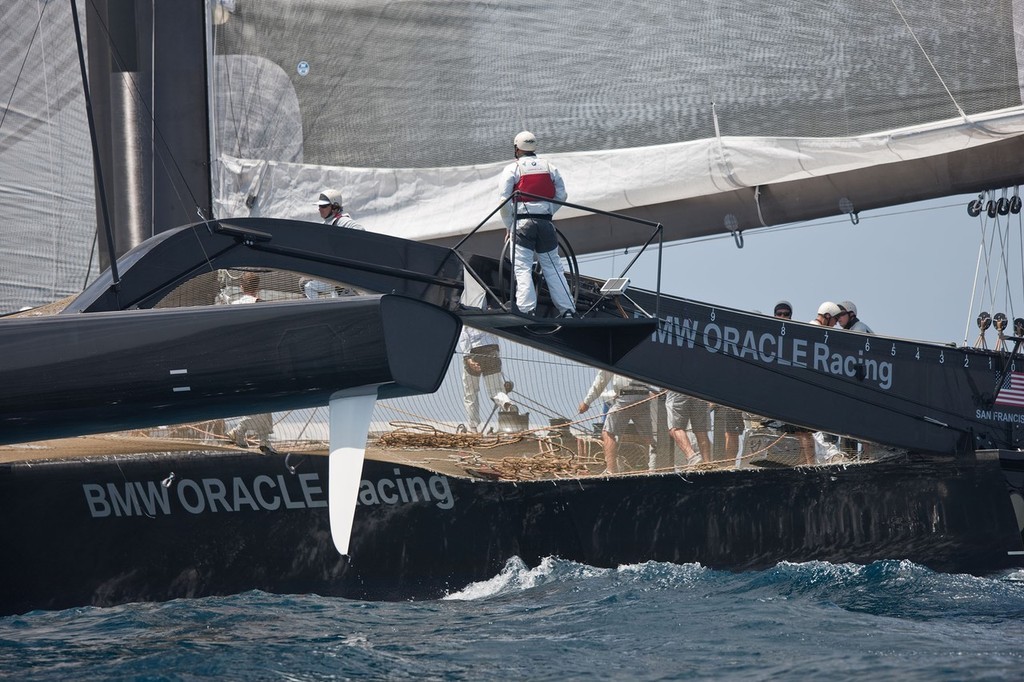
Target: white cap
(849, 305)
(828, 308)
(526, 141)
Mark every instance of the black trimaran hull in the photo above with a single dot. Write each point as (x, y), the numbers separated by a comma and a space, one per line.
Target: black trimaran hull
(106, 532)
(69, 375)
(103, 532)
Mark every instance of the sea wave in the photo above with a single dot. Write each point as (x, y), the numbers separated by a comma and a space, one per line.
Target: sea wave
(559, 620)
(883, 587)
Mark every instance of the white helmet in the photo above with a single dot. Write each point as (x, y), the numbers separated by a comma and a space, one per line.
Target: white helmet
(526, 141)
(329, 197)
(828, 308)
(849, 305)
(783, 305)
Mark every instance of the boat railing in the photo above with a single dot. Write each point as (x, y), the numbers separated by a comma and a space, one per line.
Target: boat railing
(613, 286)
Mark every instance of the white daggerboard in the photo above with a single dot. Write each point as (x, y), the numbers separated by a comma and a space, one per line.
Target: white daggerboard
(349, 418)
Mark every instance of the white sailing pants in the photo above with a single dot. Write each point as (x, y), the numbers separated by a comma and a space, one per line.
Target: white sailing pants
(313, 288)
(554, 275)
(493, 385)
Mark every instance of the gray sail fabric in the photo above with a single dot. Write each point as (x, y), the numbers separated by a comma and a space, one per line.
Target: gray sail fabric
(429, 84)
(708, 117)
(699, 115)
(47, 205)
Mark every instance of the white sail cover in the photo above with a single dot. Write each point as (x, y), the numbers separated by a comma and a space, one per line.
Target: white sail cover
(707, 117)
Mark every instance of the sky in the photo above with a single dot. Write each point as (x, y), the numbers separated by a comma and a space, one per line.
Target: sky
(909, 269)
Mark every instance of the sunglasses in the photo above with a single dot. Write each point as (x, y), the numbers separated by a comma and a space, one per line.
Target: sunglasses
(783, 313)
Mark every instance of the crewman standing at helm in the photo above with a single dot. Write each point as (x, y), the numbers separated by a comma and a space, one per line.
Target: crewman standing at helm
(535, 236)
(332, 211)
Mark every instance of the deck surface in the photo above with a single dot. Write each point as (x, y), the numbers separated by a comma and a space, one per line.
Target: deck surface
(503, 456)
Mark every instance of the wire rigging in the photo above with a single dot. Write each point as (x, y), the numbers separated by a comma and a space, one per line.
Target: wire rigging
(930, 63)
(994, 269)
(21, 69)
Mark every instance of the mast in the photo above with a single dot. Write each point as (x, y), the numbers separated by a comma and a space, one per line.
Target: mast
(148, 74)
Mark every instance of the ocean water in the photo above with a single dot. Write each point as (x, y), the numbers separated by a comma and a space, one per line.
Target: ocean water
(561, 620)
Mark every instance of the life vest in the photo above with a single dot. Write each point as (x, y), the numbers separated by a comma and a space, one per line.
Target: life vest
(535, 178)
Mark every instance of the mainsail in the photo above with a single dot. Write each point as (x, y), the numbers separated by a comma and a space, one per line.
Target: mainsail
(707, 117)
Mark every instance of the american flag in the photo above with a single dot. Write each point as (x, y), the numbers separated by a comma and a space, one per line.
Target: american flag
(1011, 390)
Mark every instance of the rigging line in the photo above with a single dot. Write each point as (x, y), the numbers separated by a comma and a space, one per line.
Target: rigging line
(983, 268)
(512, 359)
(1006, 259)
(22, 68)
(97, 166)
(929, 60)
(1004, 242)
(997, 280)
(314, 413)
(92, 250)
(53, 151)
(1020, 260)
(152, 119)
(241, 110)
(987, 295)
(536, 405)
(990, 287)
(202, 247)
(974, 292)
(229, 105)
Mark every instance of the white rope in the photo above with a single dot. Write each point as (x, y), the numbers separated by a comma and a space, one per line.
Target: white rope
(987, 294)
(1016, 193)
(974, 288)
(928, 59)
(1004, 242)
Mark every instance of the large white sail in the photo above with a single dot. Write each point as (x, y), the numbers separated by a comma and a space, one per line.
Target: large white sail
(708, 117)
